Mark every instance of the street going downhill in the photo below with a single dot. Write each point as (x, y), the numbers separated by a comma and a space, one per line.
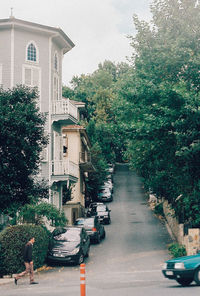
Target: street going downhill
(127, 262)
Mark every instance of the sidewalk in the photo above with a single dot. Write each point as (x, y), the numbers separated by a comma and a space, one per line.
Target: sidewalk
(6, 280)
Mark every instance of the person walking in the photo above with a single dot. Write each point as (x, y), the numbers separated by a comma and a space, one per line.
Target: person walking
(28, 261)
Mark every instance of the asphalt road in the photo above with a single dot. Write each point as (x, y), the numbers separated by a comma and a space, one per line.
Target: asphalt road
(128, 262)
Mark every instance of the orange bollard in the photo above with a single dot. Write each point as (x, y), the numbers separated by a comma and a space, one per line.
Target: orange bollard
(82, 279)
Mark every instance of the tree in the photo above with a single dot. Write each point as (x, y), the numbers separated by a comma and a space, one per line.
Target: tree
(40, 213)
(161, 104)
(21, 142)
(98, 92)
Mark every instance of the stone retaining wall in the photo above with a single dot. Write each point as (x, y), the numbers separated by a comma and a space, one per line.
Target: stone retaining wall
(191, 240)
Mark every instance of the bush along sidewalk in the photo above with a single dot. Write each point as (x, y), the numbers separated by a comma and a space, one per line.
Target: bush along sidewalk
(12, 242)
(177, 250)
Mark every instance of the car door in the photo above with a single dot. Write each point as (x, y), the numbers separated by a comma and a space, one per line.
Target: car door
(85, 241)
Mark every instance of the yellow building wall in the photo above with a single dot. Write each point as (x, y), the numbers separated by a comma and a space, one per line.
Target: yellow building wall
(73, 151)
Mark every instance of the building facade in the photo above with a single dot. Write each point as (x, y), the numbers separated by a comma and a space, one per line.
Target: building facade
(78, 151)
(31, 54)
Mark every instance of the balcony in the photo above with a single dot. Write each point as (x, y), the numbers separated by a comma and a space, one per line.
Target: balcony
(64, 110)
(62, 170)
(85, 162)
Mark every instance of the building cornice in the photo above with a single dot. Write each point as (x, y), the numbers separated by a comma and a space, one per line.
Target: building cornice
(56, 33)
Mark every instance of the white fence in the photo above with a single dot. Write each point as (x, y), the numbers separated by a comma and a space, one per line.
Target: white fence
(64, 107)
(64, 167)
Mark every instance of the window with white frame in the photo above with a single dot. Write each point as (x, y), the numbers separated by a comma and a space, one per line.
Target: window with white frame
(56, 61)
(55, 88)
(31, 76)
(44, 153)
(31, 52)
(65, 144)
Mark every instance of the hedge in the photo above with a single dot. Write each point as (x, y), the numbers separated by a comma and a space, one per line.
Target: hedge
(12, 242)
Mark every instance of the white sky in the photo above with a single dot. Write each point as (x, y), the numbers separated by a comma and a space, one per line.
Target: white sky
(98, 28)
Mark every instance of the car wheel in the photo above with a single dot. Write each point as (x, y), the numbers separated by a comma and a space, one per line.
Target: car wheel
(104, 234)
(184, 282)
(81, 259)
(197, 276)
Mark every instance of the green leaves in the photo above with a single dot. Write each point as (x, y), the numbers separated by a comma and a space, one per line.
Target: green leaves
(161, 104)
(21, 142)
(36, 213)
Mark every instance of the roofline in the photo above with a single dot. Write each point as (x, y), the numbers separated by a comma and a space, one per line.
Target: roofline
(13, 20)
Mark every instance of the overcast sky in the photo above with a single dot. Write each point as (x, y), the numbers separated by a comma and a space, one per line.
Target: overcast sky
(98, 28)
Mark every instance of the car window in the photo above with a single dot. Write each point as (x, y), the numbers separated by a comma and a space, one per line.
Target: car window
(80, 222)
(85, 222)
(71, 235)
(101, 208)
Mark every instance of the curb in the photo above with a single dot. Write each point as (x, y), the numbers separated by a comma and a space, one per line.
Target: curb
(5, 281)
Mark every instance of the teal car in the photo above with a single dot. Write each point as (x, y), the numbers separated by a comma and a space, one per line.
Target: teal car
(184, 270)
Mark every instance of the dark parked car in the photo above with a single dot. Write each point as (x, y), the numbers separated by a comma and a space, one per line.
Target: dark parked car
(184, 270)
(93, 228)
(68, 244)
(105, 195)
(101, 211)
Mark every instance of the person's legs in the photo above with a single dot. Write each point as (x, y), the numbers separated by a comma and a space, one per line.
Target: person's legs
(31, 273)
(18, 276)
(27, 270)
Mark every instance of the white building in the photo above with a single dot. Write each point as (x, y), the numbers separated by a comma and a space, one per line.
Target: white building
(32, 54)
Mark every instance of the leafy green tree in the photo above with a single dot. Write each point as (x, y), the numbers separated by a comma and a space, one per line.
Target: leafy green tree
(21, 142)
(159, 102)
(35, 214)
(98, 91)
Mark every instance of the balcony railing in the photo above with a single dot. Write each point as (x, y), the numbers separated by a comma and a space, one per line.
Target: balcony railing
(64, 107)
(64, 167)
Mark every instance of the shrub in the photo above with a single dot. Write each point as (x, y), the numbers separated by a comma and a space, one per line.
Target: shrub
(177, 250)
(158, 210)
(35, 213)
(12, 242)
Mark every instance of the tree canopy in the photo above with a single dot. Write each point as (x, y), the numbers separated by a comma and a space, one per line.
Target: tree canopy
(21, 142)
(163, 110)
(148, 111)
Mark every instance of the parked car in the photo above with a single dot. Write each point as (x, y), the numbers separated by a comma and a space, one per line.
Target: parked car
(105, 195)
(109, 177)
(184, 270)
(101, 211)
(68, 244)
(107, 184)
(93, 228)
(111, 168)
